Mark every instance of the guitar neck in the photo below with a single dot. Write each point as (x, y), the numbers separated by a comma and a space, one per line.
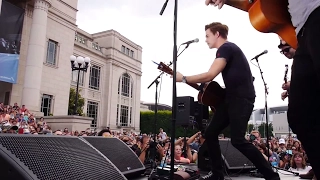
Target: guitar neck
(196, 86)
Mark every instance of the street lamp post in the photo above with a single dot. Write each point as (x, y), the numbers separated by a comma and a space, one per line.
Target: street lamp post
(78, 64)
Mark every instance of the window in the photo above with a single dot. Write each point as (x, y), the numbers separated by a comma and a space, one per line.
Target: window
(74, 77)
(46, 104)
(94, 81)
(131, 53)
(6, 97)
(92, 111)
(123, 49)
(127, 51)
(80, 39)
(96, 46)
(130, 118)
(131, 89)
(52, 52)
(124, 112)
(125, 85)
(117, 114)
(124, 115)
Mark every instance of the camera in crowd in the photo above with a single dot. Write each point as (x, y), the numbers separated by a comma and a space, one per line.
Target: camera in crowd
(153, 144)
(252, 138)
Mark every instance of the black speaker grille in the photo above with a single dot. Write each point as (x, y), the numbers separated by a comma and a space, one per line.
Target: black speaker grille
(117, 152)
(233, 158)
(60, 157)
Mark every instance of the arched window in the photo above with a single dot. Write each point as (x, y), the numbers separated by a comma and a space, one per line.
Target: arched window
(124, 111)
(125, 85)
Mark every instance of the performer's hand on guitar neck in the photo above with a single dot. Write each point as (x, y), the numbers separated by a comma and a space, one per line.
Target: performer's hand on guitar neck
(178, 77)
(218, 3)
(284, 95)
(286, 86)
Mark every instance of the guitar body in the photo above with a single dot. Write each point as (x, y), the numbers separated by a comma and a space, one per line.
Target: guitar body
(212, 95)
(269, 16)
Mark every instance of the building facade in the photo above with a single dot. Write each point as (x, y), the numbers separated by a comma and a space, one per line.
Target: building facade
(276, 115)
(110, 87)
(151, 106)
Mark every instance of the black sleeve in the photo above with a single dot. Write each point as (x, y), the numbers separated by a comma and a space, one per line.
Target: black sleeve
(225, 51)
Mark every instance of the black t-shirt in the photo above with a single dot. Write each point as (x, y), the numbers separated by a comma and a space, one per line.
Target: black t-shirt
(236, 75)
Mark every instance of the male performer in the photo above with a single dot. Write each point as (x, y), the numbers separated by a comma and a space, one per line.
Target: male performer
(238, 105)
(289, 52)
(304, 94)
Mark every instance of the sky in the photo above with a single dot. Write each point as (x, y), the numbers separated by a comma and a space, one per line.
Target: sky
(139, 20)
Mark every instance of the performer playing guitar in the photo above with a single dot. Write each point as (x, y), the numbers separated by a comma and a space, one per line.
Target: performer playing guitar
(303, 116)
(237, 106)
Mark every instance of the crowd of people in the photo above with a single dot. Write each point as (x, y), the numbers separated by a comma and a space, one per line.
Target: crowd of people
(284, 153)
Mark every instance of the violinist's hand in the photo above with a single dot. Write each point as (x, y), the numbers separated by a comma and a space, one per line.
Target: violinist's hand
(218, 3)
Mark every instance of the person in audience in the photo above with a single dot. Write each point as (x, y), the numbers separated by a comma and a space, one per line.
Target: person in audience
(24, 110)
(162, 136)
(257, 137)
(282, 146)
(297, 145)
(105, 133)
(298, 164)
(263, 149)
(178, 158)
(285, 159)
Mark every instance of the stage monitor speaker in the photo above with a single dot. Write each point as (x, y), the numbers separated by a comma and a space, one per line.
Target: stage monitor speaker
(120, 154)
(201, 112)
(41, 157)
(185, 110)
(233, 158)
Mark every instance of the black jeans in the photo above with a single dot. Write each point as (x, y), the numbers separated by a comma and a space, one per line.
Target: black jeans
(304, 97)
(235, 112)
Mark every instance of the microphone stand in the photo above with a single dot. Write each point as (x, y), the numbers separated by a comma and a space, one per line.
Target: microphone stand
(174, 88)
(265, 105)
(154, 149)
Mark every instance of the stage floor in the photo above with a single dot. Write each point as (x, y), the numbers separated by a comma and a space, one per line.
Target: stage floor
(283, 176)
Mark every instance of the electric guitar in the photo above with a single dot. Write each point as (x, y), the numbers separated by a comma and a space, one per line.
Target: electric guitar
(210, 94)
(269, 16)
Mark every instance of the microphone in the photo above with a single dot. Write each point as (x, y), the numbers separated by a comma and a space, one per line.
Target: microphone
(264, 52)
(192, 41)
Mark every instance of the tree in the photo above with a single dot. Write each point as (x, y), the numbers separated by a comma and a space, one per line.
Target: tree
(250, 127)
(147, 124)
(72, 100)
(262, 129)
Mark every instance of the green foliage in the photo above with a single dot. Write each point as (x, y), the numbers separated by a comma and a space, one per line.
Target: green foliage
(72, 100)
(147, 124)
(262, 129)
(250, 128)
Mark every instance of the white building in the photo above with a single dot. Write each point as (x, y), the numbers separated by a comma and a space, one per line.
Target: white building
(111, 86)
(276, 115)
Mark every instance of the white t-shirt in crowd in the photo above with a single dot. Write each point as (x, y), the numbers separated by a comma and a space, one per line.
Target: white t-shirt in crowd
(301, 171)
(163, 136)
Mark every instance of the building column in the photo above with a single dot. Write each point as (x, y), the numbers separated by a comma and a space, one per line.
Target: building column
(35, 56)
